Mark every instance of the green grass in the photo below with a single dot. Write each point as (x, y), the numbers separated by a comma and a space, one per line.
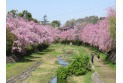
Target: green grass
(49, 64)
(13, 69)
(47, 70)
(42, 75)
(109, 63)
(70, 79)
(103, 57)
(16, 68)
(105, 68)
(87, 77)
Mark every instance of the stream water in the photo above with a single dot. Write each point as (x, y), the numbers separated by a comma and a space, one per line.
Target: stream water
(61, 62)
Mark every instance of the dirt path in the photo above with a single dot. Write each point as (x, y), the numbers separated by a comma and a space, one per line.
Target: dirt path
(107, 74)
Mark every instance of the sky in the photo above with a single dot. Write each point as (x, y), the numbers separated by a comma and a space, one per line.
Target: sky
(61, 10)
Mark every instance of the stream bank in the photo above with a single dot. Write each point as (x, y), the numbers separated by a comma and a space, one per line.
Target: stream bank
(62, 62)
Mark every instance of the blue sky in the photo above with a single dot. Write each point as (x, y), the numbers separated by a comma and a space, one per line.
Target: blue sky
(62, 10)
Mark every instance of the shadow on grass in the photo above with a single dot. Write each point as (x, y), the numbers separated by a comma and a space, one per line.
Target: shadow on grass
(45, 51)
(48, 50)
(31, 58)
(26, 60)
(42, 53)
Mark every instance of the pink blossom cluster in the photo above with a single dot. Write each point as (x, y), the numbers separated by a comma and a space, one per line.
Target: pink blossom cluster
(69, 35)
(29, 33)
(97, 35)
(111, 12)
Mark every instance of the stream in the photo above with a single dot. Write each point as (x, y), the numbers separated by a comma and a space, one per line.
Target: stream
(61, 62)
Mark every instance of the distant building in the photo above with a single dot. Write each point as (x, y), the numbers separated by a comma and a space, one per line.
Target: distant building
(102, 18)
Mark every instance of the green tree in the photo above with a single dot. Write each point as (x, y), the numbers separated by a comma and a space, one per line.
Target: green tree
(70, 23)
(20, 14)
(35, 20)
(92, 19)
(89, 19)
(9, 41)
(13, 12)
(45, 21)
(112, 22)
(26, 15)
(56, 23)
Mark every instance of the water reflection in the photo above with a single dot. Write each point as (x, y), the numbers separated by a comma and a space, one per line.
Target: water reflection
(61, 62)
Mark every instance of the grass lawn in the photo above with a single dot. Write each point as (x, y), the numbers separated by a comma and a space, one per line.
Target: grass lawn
(13, 69)
(106, 69)
(49, 64)
(47, 70)
(16, 68)
(80, 79)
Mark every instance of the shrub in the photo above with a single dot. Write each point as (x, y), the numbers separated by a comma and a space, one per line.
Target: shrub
(29, 49)
(61, 80)
(9, 41)
(62, 73)
(79, 66)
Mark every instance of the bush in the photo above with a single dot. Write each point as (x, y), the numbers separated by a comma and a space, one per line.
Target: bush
(29, 49)
(61, 80)
(9, 41)
(79, 66)
(62, 73)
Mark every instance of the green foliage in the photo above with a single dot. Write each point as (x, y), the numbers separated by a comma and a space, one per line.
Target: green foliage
(62, 73)
(112, 22)
(80, 65)
(40, 47)
(55, 23)
(13, 12)
(90, 19)
(82, 21)
(70, 23)
(20, 14)
(26, 15)
(29, 49)
(87, 77)
(61, 80)
(45, 21)
(35, 20)
(103, 56)
(9, 41)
